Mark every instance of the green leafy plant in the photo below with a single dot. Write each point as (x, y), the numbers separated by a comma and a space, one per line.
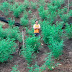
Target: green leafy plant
(51, 7)
(28, 53)
(33, 5)
(29, 11)
(11, 22)
(14, 33)
(14, 68)
(65, 17)
(7, 47)
(43, 13)
(17, 9)
(5, 8)
(2, 33)
(49, 62)
(41, 3)
(33, 42)
(68, 30)
(30, 31)
(26, 4)
(55, 31)
(56, 47)
(24, 20)
(52, 16)
(57, 3)
(34, 68)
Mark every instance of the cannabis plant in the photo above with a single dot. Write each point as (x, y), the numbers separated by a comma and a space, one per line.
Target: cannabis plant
(33, 5)
(14, 68)
(5, 8)
(28, 53)
(11, 22)
(68, 30)
(7, 47)
(33, 42)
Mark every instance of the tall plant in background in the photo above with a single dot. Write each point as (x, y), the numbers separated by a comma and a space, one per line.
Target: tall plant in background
(5, 8)
(33, 5)
(17, 9)
(41, 2)
(24, 20)
(26, 4)
(57, 3)
(42, 12)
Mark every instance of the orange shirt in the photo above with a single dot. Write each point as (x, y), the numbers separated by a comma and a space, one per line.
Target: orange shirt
(36, 26)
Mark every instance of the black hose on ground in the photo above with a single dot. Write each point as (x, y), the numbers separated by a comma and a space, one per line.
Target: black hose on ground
(6, 21)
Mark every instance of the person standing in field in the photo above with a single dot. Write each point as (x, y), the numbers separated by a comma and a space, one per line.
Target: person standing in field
(36, 28)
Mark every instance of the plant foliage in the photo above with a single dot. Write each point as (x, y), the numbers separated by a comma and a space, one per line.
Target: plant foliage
(7, 47)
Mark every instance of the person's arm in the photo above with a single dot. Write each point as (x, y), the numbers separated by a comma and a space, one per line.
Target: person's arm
(34, 27)
(39, 27)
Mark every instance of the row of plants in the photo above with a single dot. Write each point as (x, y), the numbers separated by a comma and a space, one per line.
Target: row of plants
(11, 33)
(16, 8)
(32, 45)
(7, 47)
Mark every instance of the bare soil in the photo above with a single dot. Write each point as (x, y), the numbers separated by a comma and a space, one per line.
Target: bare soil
(65, 59)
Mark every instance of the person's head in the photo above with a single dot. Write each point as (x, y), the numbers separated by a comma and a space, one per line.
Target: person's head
(36, 21)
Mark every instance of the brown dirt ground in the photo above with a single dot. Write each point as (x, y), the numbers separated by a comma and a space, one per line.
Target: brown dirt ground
(65, 59)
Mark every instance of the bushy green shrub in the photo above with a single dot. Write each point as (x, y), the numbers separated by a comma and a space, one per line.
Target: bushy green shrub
(30, 31)
(5, 8)
(11, 22)
(33, 5)
(17, 9)
(49, 62)
(55, 47)
(7, 47)
(55, 31)
(68, 30)
(42, 12)
(62, 11)
(34, 68)
(26, 4)
(70, 13)
(16, 12)
(64, 17)
(28, 53)
(52, 16)
(51, 7)
(41, 3)
(57, 3)
(14, 68)
(33, 42)
(2, 33)
(11, 33)
(14, 33)
(24, 20)
(29, 11)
